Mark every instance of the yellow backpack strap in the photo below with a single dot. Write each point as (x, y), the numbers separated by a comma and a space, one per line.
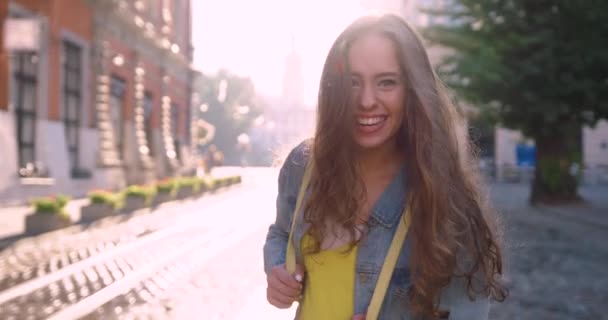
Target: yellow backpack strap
(290, 255)
(388, 267)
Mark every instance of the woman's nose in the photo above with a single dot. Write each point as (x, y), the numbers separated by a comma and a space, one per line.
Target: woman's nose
(367, 99)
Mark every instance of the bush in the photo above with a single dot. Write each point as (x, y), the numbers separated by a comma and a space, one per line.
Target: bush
(105, 197)
(51, 205)
(191, 182)
(146, 192)
(234, 180)
(62, 200)
(167, 186)
(212, 184)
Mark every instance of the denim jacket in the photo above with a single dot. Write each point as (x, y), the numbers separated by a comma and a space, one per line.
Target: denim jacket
(372, 249)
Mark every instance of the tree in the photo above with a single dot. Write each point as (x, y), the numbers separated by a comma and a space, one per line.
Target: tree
(541, 66)
(231, 105)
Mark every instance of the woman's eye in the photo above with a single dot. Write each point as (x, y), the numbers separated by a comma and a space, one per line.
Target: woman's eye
(387, 83)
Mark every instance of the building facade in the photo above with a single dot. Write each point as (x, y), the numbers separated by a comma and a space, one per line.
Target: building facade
(511, 163)
(287, 119)
(100, 100)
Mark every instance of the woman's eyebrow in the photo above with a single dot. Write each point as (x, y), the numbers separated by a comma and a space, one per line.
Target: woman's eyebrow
(387, 74)
(379, 75)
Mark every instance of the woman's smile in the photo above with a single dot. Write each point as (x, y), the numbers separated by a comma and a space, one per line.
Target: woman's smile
(370, 124)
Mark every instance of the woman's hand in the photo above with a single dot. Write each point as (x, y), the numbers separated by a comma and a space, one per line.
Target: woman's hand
(283, 288)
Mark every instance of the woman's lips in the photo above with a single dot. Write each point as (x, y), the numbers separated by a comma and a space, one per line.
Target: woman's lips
(371, 124)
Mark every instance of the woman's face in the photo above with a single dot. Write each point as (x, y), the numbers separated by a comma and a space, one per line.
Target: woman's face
(378, 90)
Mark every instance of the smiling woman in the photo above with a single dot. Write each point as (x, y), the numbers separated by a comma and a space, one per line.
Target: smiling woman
(387, 153)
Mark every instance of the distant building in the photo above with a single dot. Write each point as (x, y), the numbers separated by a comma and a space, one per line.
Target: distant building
(287, 120)
(93, 94)
(509, 162)
(595, 153)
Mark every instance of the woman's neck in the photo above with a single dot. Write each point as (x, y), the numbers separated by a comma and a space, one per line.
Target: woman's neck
(380, 161)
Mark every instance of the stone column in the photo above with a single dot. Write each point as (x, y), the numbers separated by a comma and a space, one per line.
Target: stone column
(168, 139)
(108, 153)
(109, 171)
(145, 172)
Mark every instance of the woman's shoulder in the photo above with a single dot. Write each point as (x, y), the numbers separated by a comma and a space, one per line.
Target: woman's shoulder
(294, 165)
(298, 156)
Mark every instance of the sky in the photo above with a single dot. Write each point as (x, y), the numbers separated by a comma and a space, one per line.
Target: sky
(252, 38)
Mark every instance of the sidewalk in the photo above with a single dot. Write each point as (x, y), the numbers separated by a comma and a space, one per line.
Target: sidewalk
(588, 214)
(12, 219)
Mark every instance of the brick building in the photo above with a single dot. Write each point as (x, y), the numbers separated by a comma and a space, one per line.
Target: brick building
(101, 100)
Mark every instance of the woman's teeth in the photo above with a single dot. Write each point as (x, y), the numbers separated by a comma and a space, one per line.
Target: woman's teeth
(370, 121)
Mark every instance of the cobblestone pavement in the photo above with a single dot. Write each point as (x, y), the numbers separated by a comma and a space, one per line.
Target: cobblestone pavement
(146, 266)
(202, 259)
(556, 258)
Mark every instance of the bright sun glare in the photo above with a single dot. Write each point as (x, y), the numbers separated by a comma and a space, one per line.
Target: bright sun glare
(253, 37)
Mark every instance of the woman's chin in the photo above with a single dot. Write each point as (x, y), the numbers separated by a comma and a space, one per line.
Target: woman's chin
(371, 143)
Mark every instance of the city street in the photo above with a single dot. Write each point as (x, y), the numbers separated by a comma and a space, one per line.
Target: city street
(196, 259)
(142, 133)
(202, 259)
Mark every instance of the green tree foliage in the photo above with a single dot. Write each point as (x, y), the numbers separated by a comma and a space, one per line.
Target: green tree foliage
(232, 114)
(540, 65)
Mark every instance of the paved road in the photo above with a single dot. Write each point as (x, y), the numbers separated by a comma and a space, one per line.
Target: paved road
(556, 258)
(190, 260)
(202, 259)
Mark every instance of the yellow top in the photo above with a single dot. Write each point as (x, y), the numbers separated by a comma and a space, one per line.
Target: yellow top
(330, 283)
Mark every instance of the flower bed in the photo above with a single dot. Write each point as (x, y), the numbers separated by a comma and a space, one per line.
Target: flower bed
(102, 204)
(166, 190)
(138, 197)
(48, 214)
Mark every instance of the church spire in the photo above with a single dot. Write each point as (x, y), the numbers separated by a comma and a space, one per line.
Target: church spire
(293, 82)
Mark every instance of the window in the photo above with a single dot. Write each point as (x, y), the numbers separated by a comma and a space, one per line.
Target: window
(175, 127)
(25, 66)
(148, 107)
(117, 95)
(72, 101)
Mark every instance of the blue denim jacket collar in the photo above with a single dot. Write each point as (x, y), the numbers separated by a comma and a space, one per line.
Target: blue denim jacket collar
(386, 212)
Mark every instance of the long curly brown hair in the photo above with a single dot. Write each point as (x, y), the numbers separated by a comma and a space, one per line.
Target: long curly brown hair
(454, 230)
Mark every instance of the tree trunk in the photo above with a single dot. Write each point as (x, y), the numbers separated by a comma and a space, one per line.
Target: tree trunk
(558, 168)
